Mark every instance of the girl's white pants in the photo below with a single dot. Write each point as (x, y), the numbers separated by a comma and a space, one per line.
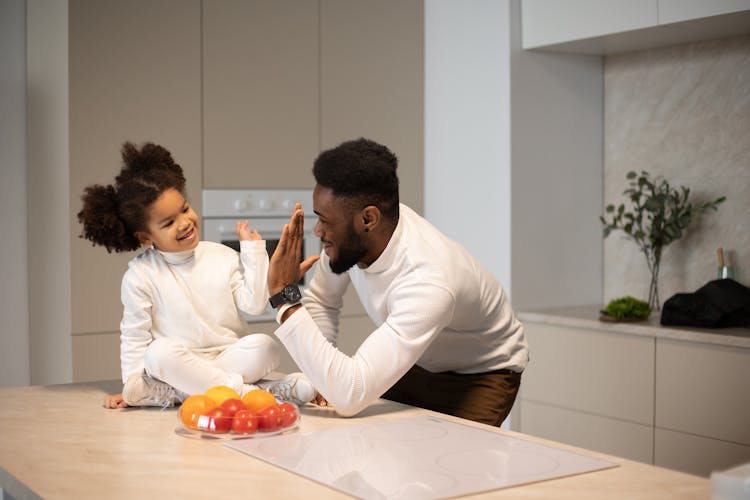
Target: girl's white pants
(237, 365)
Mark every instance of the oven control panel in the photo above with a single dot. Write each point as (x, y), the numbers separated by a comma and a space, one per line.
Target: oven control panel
(255, 202)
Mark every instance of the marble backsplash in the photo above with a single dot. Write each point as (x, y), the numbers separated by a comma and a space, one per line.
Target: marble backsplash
(683, 113)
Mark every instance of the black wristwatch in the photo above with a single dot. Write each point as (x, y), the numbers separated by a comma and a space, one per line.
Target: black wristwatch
(290, 294)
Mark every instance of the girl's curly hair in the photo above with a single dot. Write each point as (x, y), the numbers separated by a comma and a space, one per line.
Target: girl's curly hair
(112, 214)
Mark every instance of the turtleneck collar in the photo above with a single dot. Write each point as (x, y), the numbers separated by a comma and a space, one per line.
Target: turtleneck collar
(385, 259)
(178, 257)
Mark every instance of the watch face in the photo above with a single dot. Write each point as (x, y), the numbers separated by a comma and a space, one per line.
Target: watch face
(292, 293)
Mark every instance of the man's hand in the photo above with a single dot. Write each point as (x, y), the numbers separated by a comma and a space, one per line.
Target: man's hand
(285, 267)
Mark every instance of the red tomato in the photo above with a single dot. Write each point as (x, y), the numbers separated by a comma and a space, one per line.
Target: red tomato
(216, 421)
(288, 414)
(269, 418)
(233, 405)
(244, 422)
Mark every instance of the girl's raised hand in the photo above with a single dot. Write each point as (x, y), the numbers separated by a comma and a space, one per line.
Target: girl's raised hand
(245, 234)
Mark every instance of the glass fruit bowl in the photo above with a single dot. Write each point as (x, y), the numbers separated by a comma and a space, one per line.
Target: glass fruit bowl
(201, 418)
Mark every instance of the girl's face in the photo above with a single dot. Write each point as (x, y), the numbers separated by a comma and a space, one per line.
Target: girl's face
(172, 224)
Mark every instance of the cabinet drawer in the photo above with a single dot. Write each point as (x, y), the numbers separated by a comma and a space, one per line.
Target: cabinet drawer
(590, 370)
(606, 435)
(695, 454)
(703, 389)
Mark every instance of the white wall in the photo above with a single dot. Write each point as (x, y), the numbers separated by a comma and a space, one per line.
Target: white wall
(48, 206)
(513, 152)
(467, 136)
(14, 341)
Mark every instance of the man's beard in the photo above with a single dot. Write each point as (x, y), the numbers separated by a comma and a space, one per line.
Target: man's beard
(351, 251)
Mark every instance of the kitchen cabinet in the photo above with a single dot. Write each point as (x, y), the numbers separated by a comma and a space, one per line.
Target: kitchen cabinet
(261, 88)
(608, 27)
(589, 386)
(372, 81)
(702, 407)
(552, 22)
(283, 80)
(672, 397)
(134, 74)
(674, 11)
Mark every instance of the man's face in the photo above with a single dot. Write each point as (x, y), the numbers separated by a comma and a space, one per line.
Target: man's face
(335, 228)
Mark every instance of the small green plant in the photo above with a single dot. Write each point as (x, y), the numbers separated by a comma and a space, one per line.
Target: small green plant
(627, 308)
(660, 214)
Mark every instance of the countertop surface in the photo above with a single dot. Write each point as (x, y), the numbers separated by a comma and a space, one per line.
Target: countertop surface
(59, 442)
(588, 317)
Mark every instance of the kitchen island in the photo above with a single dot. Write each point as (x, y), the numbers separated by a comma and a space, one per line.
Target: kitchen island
(59, 442)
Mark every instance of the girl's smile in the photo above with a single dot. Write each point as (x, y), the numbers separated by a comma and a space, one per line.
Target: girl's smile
(172, 224)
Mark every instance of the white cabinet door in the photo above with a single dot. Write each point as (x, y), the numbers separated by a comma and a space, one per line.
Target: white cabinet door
(593, 371)
(703, 389)
(696, 454)
(674, 11)
(546, 22)
(593, 432)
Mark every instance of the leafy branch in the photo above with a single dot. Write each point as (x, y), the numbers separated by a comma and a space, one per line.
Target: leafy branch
(660, 214)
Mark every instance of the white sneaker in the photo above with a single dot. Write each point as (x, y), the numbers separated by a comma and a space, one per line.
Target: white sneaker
(295, 388)
(144, 390)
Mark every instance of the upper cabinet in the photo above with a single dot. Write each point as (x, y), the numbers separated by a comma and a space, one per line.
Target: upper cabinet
(612, 26)
(261, 87)
(284, 80)
(553, 22)
(134, 75)
(372, 81)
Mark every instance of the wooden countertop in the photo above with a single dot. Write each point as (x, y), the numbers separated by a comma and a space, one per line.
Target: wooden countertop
(59, 442)
(588, 317)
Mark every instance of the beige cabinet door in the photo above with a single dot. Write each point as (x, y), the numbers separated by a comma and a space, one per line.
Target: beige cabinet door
(372, 81)
(134, 74)
(260, 93)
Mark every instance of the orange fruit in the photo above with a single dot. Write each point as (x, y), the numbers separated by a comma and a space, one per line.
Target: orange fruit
(220, 393)
(258, 399)
(193, 408)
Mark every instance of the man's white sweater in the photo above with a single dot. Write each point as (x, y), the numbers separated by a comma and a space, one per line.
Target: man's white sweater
(433, 303)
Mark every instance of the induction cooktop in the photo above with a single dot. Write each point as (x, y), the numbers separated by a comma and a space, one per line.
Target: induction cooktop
(416, 458)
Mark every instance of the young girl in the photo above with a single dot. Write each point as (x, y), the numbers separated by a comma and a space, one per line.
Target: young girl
(182, 329)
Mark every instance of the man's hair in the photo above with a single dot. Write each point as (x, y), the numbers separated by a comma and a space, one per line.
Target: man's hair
(363, 172)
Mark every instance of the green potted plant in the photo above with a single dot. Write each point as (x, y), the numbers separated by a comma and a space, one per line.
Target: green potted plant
(659, 215)
(625, 309)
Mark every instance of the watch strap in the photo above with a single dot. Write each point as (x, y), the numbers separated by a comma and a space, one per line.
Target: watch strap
(284, 296)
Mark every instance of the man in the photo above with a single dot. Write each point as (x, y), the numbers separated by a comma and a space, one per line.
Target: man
(446, 337)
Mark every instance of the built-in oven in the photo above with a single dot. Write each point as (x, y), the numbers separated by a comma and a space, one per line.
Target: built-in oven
(267, 210)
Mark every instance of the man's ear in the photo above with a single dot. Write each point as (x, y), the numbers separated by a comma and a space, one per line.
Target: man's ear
(371, 218)
(143, 238)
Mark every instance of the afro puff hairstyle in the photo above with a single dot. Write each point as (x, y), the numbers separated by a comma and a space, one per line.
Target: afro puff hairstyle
(112, 214)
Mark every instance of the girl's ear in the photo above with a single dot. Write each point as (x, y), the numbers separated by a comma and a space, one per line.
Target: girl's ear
(143, 238)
